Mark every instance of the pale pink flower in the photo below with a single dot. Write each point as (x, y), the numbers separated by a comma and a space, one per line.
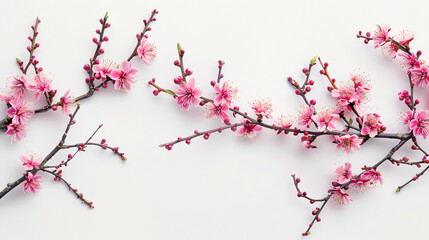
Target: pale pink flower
(18, 86)
(372, 124)
(359, 183)
(17, 131)
(360, 81)
(304, 116)
(103, 70)
(262, 107)
(407, 117)
(404, 37)
(381, 35)
(248, 129)
(224, 92)
(420, 125)
(348, 143)
(339, 195)
(346, 95)
(20, 111)
(306, 142)
(284, 121)
(326, 119)
(343, 173)
(67, 102)
(372, 176)
(124, 76)
(30, 161)
(42, 85)
(218, 111)
(188, 94)
(32, 183)
(146, 51)
(6, 97)
(420, 75)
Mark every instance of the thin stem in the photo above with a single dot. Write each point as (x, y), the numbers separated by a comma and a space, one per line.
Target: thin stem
(146, 26)
(32, 48)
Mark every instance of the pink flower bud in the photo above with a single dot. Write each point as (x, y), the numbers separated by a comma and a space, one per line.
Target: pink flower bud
(155, 92)
(313, 102)
(188, 72)
(178, 80)
(176, 63)
(107, 25)
(98, 31)
(297, 92)
(105, 39)
(213, 83)
(54, 107)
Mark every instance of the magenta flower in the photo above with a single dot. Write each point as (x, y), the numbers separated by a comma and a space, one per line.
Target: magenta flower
(348, 143)
(372, 176)
(107, 66)
(420, 74)
(188, 94)
(304, 116)
(17, 131)
(326, 119)
(67, 102)
(20, 111)
(30, 161)
(262, 108)
(339, 195)
(224, 92)
(249, 130)
(218, 111)
(18, 86)
(32, 183)
(420, 125)
(343, 173)
(124, 76)
(42, 85)
(381, 35)
(407, 61)
(146, 51)
(372, 124)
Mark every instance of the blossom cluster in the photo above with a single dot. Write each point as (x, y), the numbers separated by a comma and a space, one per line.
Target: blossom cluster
(100, 75)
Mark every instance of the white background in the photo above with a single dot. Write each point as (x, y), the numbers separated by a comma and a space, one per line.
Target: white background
(228, 187)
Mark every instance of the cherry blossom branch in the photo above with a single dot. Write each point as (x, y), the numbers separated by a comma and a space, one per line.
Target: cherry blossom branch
(106, 72)
(142, 34)
(33, 166)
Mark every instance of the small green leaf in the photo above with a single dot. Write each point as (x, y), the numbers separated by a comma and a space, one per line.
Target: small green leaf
(398, 189)
(351, 120)
(170, 92)
(106, 15)
(18, 60)
(313, 60)
(179, 47)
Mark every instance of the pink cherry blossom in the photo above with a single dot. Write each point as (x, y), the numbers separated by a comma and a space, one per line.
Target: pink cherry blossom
(249, 130)
(284, 121)
(18, 86)
(306, 142)
(407, 117)
(7, 97)
(360, 81)
(67, 102)
(339, 195)
(30, 161)
(372, 176)
(404, 37)
(408, 61)
(326, 119)
(103, 70)
(218, 111)
(381, 35)
(20, 111)
(124, 76)
(224, 92)
(360, 183)
(32, 183)
(17, 131)
(346, 95)
(42, 85)
(188, 94)
(420, 125)
(343, 173)
(146, 51)
(420, 75)
(304, 116)
(348, 143)
(262, 107)
(372, 124)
